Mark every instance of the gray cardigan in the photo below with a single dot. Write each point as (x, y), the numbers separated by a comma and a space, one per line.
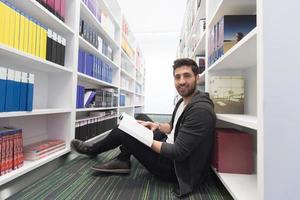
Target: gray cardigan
(193, 143)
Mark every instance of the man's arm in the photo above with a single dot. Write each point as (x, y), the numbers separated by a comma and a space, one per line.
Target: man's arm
(156, 146)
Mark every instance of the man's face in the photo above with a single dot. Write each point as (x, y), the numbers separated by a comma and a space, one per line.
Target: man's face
(185, 80)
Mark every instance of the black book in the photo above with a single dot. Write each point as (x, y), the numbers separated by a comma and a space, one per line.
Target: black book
(63, 52)
(49, 45)
(58, 50)
(54, 44)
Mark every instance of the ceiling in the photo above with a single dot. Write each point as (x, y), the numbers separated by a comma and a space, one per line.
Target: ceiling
(153, 16)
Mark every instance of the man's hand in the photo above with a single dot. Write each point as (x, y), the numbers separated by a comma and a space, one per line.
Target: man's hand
(150, 125)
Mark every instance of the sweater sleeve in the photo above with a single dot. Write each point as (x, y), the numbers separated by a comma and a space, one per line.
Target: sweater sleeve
(195, 129)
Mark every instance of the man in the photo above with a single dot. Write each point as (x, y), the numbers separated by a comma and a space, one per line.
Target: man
(186, 154)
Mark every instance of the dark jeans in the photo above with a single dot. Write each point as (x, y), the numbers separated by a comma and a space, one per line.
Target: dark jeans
(156, 164)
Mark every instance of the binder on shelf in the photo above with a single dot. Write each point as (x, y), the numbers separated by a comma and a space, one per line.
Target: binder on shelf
(12, 19)
(2, 18)
(3, 75)
(30, 36)
(57, 8)
(16, 92)
(54, 47)
(50, 5)
(38, 40)
(58, 50)
(63, 53)
(233, 151)
(43, 42)
(22, 31)
(9, 106)
(23, 91)
(17, 29)
(49, 45)
(30, 85)
(26, 34)
(62, 9)
(6, 15)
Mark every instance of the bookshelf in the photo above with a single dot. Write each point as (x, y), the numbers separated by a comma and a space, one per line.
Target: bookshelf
(270, 118)
(54, 111)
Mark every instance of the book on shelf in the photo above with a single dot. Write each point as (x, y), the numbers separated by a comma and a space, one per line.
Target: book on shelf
(233, 151)
(227, 93)
(227, 32)
(89, 97)
(129, 125)
(43, 148)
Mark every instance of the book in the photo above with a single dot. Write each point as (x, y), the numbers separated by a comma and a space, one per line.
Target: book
(16, 92)
(30, 88)
(89, 97)
(129, 125)
(9, 106)
(227, 93)
(233, 151)
(23, 91)
(3, 74)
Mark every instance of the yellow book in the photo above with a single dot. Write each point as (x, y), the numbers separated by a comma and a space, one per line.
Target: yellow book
(17, 29)
(6, 25)
(22, 32)
(26, 34)
(43, 42)
(37, 40)
(12, 21)
(33, 48)
(30, 35)
(2, 15)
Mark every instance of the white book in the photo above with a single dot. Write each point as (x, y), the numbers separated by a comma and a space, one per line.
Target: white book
(129, 125)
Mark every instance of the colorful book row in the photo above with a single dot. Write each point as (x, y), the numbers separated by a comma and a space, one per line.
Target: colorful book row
(57, 7)
(94, 66)
(226, 33)
(16, 90)
(11, 149)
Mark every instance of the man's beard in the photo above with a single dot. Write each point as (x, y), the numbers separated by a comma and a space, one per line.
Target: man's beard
(189, 91)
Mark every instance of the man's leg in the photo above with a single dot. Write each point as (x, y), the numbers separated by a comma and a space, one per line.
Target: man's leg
(152, 161)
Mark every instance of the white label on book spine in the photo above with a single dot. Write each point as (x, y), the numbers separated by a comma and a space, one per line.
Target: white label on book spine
(10, 74)
(3, 72)
(24, 77)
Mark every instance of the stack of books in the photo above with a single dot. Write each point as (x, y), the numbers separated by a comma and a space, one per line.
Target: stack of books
(11, 149)
(42, 149)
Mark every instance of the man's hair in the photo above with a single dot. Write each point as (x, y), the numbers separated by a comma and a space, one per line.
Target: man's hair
(186, 62)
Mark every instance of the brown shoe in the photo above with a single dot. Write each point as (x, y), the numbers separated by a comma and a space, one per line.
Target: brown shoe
(83, 147)
(114, 166)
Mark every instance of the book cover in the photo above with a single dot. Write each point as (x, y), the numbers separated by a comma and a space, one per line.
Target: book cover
(9, 106)
(43, 42)
(129, 125)
(26, 34)
(3, 79)
(233, 151)
(89, 97)
(57, 8)
(2, 21)
(16, 92)
(17, 29)
(12, 21)
(34, 33)
(227, 93)
(63, 51)
(49, 45)
(234, 28)
(38, 40)
(30, 88)
(6, 14)
(53, 50)
(62, 9)
(23, 91)
(59, 50)
(22, 32)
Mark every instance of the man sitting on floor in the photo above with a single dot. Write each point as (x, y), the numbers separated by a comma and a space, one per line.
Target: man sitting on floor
(181, 150)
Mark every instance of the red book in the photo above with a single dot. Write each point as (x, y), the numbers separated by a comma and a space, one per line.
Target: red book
(0, 151)
(62, 9)
(233, 151)
(51, 5)
(57, 8)
(20, 149)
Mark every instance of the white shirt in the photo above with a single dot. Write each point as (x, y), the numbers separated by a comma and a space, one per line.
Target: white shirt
(177, 115)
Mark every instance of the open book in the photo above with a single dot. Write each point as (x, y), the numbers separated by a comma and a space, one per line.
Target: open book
(129, 125)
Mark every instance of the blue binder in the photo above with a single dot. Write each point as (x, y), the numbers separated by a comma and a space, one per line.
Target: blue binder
(17, 87)
(3, 74)
(23, 91)
(30, 84)
(9, 105)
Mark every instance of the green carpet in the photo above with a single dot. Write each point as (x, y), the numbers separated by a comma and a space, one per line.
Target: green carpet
(75, 180)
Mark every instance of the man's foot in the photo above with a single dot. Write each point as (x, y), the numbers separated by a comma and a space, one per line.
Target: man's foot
(114, 166)
(83, 147)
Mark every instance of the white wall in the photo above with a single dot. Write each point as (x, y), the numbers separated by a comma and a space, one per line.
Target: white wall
(156, 25)
(159, 51)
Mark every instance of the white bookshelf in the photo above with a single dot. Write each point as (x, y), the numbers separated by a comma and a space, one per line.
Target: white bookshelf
(240, 60)
(54, 105)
